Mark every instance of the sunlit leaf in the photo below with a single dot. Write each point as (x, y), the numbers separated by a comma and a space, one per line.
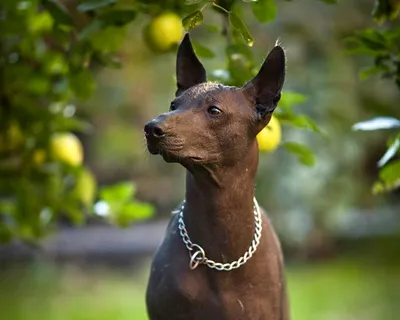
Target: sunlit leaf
(377, 123)
(391, 172)
(264, 10)
(390, 152)
(380, 187)
(134, 211)
(193, 20)
(41, 22)
(118, 193)
(94, 4)
(238, 24)
(303, 153)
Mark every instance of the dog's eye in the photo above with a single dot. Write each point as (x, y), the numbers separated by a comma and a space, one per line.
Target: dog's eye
(214, 111)
(172, 107)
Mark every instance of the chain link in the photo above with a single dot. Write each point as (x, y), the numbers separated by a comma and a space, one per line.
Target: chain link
(197, 253)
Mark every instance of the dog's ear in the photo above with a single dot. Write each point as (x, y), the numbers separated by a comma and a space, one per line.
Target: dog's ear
(189, 70)
(264, 90)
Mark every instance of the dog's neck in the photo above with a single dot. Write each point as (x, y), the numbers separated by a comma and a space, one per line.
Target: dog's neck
(219, 207)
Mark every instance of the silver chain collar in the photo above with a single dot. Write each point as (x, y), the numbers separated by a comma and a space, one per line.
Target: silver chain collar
(198, 255)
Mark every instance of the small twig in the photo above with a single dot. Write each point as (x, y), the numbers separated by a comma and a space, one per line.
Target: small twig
(219, 7)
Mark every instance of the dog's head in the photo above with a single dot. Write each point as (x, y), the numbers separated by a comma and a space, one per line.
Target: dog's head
(209, 123)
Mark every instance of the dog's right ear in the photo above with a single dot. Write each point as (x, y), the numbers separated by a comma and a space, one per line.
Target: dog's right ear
(189, 70)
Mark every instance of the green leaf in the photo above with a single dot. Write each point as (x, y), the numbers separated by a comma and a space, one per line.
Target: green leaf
(365, 73)
(134, 211)
(300, 121)
(82, 84)
(304, 154)
(94, 4)
(108, 39)
(384, 9)
(290, 98)
(119, 194)
(264, 10)
(39, 85)
(390, 152)
(110, 60)
(202, 51)
(381, 187)
(193, 20)
(391, 173)
(58, 12)
(91, 29)
(239, 69)
(213, 28)
(41, 22)
(72, 124)
(234, 49)
(377, 123)
(238, 25)
(330, 1)
(118, 17)
(370, 39)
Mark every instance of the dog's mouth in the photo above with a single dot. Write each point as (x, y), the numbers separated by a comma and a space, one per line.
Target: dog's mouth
(169, 151)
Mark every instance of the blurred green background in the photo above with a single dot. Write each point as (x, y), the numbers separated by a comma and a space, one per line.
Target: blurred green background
(341, 242)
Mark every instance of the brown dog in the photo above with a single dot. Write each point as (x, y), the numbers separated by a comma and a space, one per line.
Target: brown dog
(220, 259)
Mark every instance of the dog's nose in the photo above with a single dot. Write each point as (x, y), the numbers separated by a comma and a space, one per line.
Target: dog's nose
(154, 129)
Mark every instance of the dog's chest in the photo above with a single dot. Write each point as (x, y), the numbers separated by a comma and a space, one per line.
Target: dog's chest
(175, 292)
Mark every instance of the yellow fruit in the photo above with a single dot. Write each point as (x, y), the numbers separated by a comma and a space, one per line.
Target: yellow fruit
(163, 32)
(11, 138)
(85, 188)
(67, 148)
(269, 138)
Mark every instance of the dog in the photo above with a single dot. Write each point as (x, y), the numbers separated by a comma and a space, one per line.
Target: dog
(220, 258)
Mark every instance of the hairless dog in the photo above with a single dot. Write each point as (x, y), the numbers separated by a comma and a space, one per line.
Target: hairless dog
(220, 258)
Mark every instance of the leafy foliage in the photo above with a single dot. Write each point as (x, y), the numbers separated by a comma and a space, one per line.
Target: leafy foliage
(384, 47)
(50, 50)
(47, 54)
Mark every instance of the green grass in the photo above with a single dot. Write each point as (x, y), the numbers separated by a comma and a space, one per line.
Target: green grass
(334, 290)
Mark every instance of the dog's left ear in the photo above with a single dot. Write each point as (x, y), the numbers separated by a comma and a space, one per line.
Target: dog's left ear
(189, 70)
(264, 90)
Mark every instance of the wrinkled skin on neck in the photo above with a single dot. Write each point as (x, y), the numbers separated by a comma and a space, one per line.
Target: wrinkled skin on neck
(219, 204)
